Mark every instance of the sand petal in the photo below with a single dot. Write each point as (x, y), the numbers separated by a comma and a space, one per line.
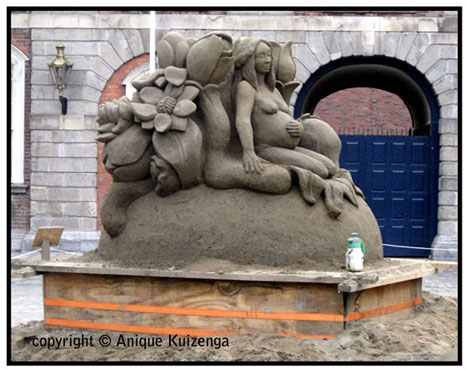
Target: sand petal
(189, 92)
(163, 122)
(179, 123)
(176, 76)
(184, 108)
(151, 95)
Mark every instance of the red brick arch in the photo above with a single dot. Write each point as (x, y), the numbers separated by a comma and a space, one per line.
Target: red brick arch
(113, 90)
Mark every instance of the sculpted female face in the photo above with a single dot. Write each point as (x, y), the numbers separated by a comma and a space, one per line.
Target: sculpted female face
(263, 58)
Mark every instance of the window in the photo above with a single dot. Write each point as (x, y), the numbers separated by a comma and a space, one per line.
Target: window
(18, 72)
(137, 73)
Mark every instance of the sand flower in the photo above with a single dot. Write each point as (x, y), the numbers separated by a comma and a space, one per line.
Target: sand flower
(167, 105)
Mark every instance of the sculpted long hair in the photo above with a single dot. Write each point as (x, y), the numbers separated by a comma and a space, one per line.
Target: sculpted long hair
(246, 63)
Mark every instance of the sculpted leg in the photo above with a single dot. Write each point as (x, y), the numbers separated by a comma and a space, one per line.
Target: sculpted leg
(323, 159)
(116, 201)
(293, 158)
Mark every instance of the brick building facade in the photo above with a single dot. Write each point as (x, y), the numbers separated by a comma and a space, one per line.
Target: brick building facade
(63, 177)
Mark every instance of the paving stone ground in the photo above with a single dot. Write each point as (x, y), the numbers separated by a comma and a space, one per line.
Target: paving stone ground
(27, 300)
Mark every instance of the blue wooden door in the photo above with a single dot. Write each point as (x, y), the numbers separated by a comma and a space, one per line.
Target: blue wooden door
(398, 175)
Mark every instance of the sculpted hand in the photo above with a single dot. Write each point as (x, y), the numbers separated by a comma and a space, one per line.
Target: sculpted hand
(294, 128)
(253, 163)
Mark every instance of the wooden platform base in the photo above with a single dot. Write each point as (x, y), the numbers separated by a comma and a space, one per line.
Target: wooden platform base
(303, 304)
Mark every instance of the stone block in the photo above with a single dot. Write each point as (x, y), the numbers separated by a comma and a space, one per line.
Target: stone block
(118, 42)
(448, 126)
(418, 48)
(405, 43)
(54, 136)
(145, 38)
(303, 54)
(449, 183)
(135, 41)
(302, 73)
(444, 38)
(56, 179)
(368, 42)
(20, 20)
(447, 228)
(64, 34)
(390, 44)
(41, 78)
(69, 223)
(345, 43)
(448, 153)
(332, 45)
(448, 140)
(428, 25)
(448, 24)
(44, 20)
(448, 198)
(445, 248)
(380, 38)
(448, 97)
(317, 45)
(46, 107)
(87, 78)
(85, 48)
(448, 169)
(434, 53)
(448, 82)
(85, 93)
(42, 122)
(82, 209)
(64, 150)
(71, 122)
(448, 213)
(107, 53)
(100, 67)
(63, 194)
(357, 43)
(322, 24)
(90, 122)
(449, 111)
(43, 92)
(77, 107)
(64, 164)
(40, 62)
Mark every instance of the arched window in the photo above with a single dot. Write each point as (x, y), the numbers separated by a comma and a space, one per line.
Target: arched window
(18, 73)
(137, 73)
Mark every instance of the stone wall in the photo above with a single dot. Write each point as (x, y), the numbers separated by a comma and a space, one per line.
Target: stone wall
(64, 154)
(63, 150)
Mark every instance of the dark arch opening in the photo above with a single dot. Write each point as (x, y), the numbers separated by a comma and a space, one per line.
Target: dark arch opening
(383, 73)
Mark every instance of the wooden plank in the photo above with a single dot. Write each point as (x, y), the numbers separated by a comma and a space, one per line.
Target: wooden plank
(443, 265)
(390, 276)
(23, 272)
(366, 278)
(392, 300)
(243, 307)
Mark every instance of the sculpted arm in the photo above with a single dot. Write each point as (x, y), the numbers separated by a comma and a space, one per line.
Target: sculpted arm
(245, 101)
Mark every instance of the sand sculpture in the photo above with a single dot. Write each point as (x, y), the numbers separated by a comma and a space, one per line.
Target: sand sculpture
(207, 161)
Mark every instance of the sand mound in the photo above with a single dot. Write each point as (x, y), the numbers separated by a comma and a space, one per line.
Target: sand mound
(240, 226)
(428, 335)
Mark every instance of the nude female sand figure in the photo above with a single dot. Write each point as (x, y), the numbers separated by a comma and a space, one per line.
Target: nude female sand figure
(266, 129)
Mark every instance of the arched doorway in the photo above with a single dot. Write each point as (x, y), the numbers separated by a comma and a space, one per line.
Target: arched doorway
(398, 173)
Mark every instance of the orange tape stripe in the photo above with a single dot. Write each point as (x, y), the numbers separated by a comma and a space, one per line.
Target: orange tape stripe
(384, 310)
(133, 328)
(154, 330)
(195, 311)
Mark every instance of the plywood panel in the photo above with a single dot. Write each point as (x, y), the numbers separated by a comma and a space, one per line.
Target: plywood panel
(254, 307)
(398, 299)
